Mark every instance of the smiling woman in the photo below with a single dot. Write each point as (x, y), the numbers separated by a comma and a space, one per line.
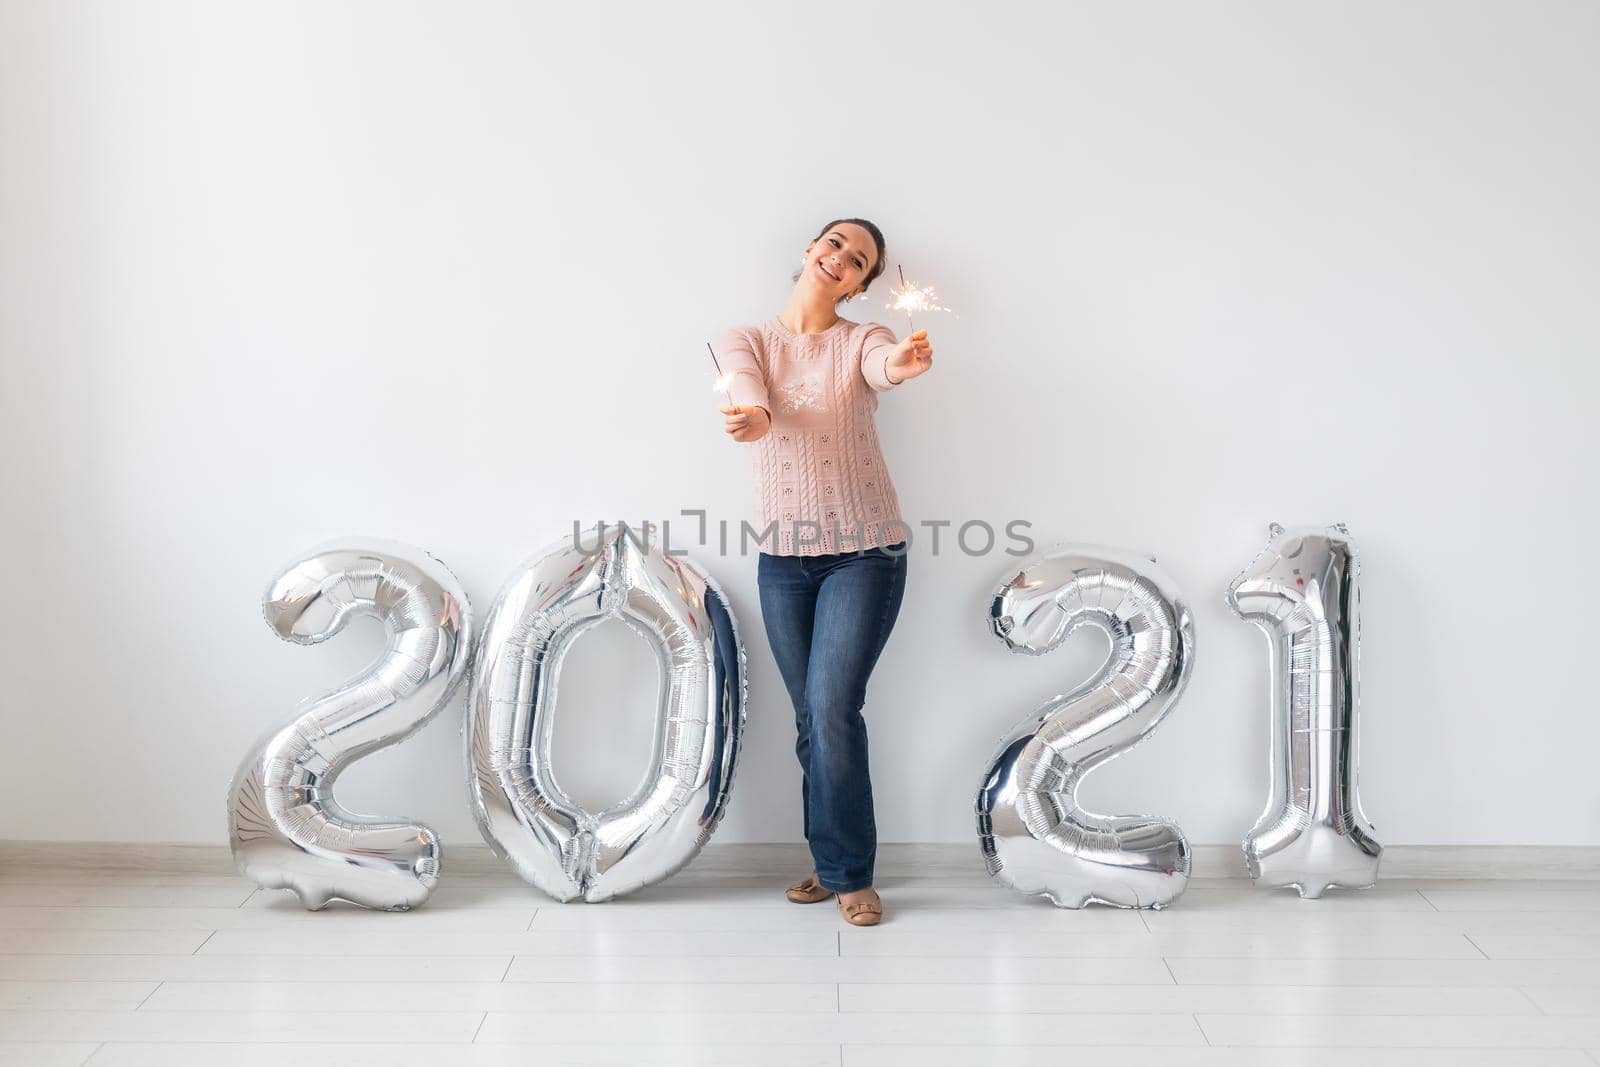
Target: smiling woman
(838, 236)
(802, 388)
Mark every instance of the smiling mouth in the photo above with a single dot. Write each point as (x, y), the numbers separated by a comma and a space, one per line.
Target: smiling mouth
(826, 271)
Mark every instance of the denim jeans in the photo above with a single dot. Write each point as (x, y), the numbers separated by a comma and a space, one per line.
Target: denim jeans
(827, 618)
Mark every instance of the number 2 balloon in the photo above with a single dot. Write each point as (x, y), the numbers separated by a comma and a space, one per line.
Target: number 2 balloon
(286, 829)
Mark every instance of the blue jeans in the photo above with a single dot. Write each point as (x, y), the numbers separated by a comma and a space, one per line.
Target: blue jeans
(827, 618)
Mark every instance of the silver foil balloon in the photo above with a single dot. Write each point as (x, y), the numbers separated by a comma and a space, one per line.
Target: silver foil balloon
(522, 811)
(285, 826)
(1035, 837)
(1303, 592)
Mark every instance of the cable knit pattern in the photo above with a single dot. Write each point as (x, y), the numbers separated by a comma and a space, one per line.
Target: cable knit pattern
(820, 479)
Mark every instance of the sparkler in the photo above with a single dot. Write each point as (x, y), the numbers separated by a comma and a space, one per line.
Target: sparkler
(911, 298)
(723, 380)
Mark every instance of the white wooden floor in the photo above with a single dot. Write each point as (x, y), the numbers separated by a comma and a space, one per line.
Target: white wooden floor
(146, 968)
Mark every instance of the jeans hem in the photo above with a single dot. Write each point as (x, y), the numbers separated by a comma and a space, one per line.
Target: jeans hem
(849, 887)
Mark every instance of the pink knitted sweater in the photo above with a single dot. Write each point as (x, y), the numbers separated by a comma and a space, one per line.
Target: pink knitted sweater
(819, 473)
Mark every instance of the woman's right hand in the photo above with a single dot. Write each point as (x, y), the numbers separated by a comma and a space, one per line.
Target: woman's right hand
(748, 423)
(910, 358)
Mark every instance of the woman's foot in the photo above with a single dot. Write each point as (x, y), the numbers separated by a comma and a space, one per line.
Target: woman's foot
(861, 907)
(808, 891)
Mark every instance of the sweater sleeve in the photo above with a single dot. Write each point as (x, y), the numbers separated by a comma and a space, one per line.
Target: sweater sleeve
(876, 347)
(747, 384)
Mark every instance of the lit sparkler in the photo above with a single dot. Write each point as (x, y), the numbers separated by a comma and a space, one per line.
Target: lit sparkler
(723, 380)
(913, 298)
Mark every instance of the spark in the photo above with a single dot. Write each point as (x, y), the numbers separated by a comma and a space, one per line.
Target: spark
(723, 380)
(913, 299)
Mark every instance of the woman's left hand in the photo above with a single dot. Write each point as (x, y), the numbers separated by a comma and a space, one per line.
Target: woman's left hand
(911, 357)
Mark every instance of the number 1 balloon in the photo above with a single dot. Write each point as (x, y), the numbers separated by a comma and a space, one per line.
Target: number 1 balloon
(521, 809)
(286, 829)
(1302, 591)
(1035, 837)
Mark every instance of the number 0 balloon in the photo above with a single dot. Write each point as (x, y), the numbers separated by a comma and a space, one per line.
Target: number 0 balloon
(523, 813)
(1302, 591)
(286, 829)
(1034, 835)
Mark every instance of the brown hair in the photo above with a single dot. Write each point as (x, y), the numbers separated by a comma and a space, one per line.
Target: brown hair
(877, 239)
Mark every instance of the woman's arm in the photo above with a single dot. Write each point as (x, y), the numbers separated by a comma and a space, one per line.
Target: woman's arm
(747, 385)
(748, 413)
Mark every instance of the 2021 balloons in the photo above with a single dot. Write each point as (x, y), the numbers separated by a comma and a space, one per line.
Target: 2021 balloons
(1303, 592)
(286, 829)
(1035, 837)
(521, 810)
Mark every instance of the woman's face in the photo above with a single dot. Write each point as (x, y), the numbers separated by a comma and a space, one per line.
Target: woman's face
(838, 262)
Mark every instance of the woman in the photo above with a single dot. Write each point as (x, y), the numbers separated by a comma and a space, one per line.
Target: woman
(802, 388)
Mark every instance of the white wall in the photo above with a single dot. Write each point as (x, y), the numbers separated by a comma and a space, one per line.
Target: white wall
(444, 273)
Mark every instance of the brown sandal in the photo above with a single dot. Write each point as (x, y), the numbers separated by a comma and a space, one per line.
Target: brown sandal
(862, 912)
(808, 891)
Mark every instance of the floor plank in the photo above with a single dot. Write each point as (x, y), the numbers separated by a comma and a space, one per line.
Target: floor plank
(255, 968)
(88, 996)
(498, 996)
(103, 942)
(1151, 971)
(1325, 972)
(714, 1028)
(360, 1026)
(1246, 1000)
(889, 940)
(123, 896)
(208, 919)
(598, 1053)
(1538, 946)
(1399, 1031)
(399, 941)
(50, 1054)
(1136, 1056)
